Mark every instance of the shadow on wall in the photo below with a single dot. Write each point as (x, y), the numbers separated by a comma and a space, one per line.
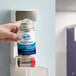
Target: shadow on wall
(4, 47)
(61, 53)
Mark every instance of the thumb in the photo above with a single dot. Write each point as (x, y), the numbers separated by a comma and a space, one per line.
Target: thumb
(13, 36)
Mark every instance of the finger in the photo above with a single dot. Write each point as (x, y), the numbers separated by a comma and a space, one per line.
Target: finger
(14, 36)
(7, 39)
(15, 25)
(12, 26)
(2, 40)
(9, 25)
(14, 30)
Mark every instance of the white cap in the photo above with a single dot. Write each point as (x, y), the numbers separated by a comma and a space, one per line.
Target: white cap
(27, 23)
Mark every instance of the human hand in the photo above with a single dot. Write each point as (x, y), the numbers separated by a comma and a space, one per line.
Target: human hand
(8, 32)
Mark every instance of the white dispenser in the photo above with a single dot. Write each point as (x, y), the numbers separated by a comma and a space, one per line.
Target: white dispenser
(15, 70)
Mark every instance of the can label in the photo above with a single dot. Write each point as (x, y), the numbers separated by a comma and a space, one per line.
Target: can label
(27, 44)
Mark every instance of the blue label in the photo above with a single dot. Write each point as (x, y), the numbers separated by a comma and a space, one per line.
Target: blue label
(27, 45)
(26, 37)
(26, 49)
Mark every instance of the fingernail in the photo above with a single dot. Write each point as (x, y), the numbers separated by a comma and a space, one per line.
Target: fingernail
(18, 37)
(14, 36)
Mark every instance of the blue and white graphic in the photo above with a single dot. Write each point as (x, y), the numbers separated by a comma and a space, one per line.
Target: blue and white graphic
(27, 45)
(26, 36)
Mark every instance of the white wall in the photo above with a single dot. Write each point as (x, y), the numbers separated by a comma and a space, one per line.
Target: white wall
(66, 5)
(63, 19)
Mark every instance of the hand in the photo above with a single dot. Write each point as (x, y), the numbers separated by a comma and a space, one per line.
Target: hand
(8, 32)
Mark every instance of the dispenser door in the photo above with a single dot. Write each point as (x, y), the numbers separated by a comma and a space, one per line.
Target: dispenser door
(71, 53)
